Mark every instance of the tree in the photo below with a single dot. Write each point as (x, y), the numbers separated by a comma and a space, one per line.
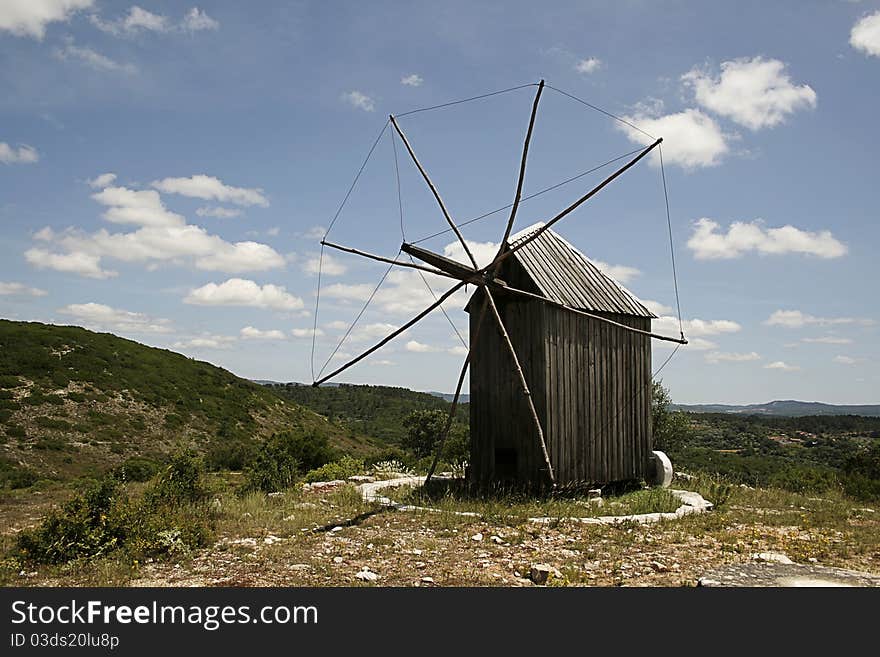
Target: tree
(671, 429)
(423, 430)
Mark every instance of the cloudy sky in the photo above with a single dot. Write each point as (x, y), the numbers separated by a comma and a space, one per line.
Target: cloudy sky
(167, 171)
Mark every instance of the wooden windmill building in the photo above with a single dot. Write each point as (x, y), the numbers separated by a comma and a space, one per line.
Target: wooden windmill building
(590, 380)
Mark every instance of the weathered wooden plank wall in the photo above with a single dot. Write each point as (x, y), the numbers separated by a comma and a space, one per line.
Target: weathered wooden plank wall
(591, 386)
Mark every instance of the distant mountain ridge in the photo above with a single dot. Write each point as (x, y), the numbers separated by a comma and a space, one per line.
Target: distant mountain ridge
(787, 407)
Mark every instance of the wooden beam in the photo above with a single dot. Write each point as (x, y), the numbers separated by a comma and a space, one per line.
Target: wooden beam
(390, 261)
(522, 171)
(452, 268)
(571, 208)
(393, 335)
(522, 381)
(538, 297)
(433, 191)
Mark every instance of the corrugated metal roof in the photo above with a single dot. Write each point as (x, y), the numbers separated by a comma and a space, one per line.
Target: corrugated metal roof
(567, 276)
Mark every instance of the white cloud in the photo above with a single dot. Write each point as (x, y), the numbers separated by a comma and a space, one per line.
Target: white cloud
(419, 347)
(329, 266)
(24, 154)
(92, 58)
(197, 20)
(306, 332)
(691, 139)
(359, 100)
(656, 307)
(730, 357)
(20, 290)
(414, 80)
(588, 65)
(219, 213)
(620, 273)
(781, 365)
(98, 315)
(135, 21)
(30, 17)
(210, 188)
(827, 339)
(102, 181)
(315, 233)
(163, 236)
(695, 328)
(798, 319)
(865, 34)
(140, 207)
(483, 252)
(242, 292)
(460, 350)
(709, 243)
(206, 341)
(371, 332)
(382, 362)
(336, 325)
(845, 360)
(251, 333)
(75, 262)
(754, 92)
(139, 20)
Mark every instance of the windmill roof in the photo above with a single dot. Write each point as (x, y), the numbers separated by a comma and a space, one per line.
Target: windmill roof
(566, 275)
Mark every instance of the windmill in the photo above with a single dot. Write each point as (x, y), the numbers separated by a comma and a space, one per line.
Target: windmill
(485, 302)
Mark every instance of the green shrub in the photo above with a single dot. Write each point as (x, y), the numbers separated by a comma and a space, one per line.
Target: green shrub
(77, 397)
(804, 479)
(137, 468)
(341, 469)
(9, 405)
(4, 416)
(51, 444)
(9, 381)
(14, 476)
(16, 431)
(170, 519)
(51, 423)
(229, 454)
(6, 394)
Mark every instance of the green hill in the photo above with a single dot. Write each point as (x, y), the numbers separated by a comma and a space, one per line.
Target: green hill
(377, 411)
(74, 402)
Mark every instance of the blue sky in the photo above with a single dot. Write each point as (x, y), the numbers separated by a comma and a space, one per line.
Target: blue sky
(167, 169)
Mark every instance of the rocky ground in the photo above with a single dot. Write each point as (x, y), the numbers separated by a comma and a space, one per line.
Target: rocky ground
(331, 536)
(406, 548)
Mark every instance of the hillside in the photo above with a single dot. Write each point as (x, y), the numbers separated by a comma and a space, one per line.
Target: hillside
(74, 402)
(376, 411)
(784, 408)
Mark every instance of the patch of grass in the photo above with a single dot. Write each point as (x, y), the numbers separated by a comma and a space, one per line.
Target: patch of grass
(340, 469)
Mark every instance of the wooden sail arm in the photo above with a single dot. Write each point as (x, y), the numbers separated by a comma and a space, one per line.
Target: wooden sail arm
(434, 191)
(507, 252)
(450, 267)
(501, 286)
(390, 261)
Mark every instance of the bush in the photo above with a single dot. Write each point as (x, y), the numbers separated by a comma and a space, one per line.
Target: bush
(170, 519)
(803, 479)
(15, 476)
(670, 429)
(344, 468)
(230, 454)
(9, 381)
(16, 431)
(280, 460)
(137, 468)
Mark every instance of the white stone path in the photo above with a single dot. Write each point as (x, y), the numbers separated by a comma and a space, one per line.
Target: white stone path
(691, 503)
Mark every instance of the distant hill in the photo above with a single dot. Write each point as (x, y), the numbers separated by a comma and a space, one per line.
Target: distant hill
(448, 396)
(376, 411)
(76, 402)
(788, 407)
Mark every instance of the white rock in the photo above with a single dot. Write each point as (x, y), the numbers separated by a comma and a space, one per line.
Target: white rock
(477, 537)
(367, 576)
(540, 573)
(773, 557)
(336, 529)
(338, 560)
